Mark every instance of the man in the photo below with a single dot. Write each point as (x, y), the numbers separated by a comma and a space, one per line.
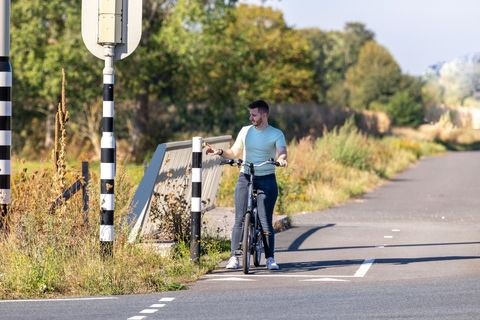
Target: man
(258, 142)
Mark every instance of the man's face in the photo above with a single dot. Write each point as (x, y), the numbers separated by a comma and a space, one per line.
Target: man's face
(256, 117)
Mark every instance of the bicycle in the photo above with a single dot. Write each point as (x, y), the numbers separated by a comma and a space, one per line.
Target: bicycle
(253, 236)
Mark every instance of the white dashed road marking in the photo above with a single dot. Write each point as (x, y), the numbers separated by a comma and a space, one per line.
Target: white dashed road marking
(152, 309)
(167, 299)
(149, 311)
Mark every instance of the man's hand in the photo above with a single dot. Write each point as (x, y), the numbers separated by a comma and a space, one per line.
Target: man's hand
(211, 150)
(282, 162)
(282, 156)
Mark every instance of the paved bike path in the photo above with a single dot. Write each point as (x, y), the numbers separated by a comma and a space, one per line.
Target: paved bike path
(422, 224)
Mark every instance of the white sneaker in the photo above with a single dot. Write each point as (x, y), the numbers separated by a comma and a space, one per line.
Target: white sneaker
(271, 264)
(233, 263)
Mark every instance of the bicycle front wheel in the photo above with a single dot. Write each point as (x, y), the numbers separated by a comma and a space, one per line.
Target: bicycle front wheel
(257, 252)
(246, 242)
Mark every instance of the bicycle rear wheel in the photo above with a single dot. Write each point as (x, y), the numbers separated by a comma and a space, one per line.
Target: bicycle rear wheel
(246, 243)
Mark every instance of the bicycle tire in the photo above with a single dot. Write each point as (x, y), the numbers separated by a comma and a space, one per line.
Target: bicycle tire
(246, 243)
(257, 251)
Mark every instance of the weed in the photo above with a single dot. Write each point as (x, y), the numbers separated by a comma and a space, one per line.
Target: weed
(171, 210)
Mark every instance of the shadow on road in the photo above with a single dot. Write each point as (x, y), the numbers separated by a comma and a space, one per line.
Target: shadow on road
(386, 246)
(290, 267)
(298, 241)
(318, 265)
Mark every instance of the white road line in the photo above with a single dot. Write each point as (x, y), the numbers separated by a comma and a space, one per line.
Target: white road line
(362, 271)
(388, 237)
(395, 230)
(280, 276)
(60, 300)
(231, 279)
(166, 299)
(157, 305)
(148, 311)
(137, 318)
(325, 280)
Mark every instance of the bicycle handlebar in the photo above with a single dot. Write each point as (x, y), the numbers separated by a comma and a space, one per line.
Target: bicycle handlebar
(239, 162)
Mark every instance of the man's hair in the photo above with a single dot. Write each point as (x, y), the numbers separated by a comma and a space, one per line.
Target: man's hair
(261, 105)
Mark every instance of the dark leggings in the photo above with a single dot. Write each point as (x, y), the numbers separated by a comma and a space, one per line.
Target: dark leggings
(267, 192)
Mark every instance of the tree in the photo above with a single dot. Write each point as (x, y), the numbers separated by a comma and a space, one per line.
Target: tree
(356, 35)
(45, 37)
(374, 78)
(333, 52)
(230, 56)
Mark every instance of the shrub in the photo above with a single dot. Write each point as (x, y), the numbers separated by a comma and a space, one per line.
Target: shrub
(347, 146)
(404, 110)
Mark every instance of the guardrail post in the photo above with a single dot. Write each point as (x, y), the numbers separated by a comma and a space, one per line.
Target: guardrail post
(196, 206)
(85, 197)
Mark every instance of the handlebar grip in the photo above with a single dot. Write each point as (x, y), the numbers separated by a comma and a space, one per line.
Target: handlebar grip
(227, 161)
(231, 162)
(276, 163)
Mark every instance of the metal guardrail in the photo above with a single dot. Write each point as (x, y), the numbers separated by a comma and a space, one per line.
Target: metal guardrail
(79, 184)
(169, 164)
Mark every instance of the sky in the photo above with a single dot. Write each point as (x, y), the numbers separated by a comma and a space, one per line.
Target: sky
(418, 33)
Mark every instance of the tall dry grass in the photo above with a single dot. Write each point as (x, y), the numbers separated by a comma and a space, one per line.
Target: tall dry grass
(447, 131)
(58, 253)
(327, 171)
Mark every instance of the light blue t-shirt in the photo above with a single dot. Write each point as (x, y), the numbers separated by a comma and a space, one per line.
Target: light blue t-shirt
(258, 146)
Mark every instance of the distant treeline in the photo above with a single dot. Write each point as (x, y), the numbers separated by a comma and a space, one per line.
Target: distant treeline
(198, 65)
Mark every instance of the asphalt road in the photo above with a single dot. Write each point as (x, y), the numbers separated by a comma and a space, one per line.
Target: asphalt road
(408, 250)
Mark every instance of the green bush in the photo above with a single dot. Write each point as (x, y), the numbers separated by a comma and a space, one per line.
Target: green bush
(347, 146)
(404, 110)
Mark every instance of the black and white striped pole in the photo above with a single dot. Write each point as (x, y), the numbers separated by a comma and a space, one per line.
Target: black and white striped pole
(107, 157)
(196, 203)
(5, 111)
(111, 30)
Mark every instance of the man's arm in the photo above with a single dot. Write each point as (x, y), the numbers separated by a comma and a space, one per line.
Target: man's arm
(282, 156)
(225, 153)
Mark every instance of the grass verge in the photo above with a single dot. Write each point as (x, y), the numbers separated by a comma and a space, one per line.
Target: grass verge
(49, 255)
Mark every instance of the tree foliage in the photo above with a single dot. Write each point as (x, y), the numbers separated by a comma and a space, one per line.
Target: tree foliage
(374, 78)
(46, 38)
(333, 52)
(456, 82)
(198, 64)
